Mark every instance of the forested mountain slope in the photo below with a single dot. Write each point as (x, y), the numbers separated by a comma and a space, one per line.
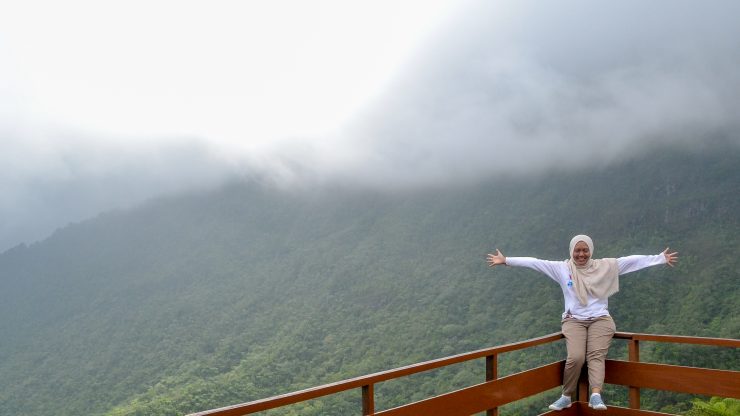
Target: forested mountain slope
(204, 300)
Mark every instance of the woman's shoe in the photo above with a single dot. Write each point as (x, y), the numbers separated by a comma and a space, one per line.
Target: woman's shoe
(562, 403)
(596, 403)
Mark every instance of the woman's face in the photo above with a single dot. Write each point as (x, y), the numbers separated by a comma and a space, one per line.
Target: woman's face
(581, 253)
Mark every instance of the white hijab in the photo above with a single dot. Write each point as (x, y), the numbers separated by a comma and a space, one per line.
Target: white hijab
(598, 278)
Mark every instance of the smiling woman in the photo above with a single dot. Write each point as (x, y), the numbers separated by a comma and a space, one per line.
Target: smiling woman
(581, 253)
(587, 326)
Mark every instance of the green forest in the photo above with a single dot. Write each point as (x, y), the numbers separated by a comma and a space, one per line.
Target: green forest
(202, 300)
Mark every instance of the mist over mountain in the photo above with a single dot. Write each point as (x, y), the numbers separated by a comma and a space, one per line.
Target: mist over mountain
(218, 297)
(382, 95)
(541, 86)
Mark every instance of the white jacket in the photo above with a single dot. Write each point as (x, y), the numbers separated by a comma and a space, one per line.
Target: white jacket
(559, 272)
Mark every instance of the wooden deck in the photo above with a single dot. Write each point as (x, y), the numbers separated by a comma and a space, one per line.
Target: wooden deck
(582, 409)
(495, 392)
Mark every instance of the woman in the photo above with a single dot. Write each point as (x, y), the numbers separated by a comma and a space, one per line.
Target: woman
(587, 326)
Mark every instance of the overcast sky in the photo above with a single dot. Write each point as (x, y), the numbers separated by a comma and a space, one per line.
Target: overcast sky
(104, 104)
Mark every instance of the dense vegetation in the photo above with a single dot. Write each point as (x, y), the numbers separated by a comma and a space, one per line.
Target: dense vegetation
(200, 301)
(715, 407)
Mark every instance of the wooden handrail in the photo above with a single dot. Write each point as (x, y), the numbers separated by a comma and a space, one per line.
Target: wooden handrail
(366, 382)
(680, 339)
(675, 378)
(498, 392)
(370, 379)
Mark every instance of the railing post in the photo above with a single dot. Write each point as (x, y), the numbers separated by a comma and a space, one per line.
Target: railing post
(583, 392)
(368, 400)
(634, 356)
(492, 374)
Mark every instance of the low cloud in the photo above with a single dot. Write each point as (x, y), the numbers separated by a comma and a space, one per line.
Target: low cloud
(549, 87)
(504, 88)
(57, 179)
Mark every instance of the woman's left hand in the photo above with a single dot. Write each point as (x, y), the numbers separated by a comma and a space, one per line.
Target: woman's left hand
(670, 258)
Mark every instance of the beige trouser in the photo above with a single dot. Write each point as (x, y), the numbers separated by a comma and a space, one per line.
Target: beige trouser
(586, 341)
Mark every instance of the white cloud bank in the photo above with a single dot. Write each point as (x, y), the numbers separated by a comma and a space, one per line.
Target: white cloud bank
(550, 85)
(105, 104)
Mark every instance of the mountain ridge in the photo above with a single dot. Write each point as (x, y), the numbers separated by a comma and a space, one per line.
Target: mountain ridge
(198, 301)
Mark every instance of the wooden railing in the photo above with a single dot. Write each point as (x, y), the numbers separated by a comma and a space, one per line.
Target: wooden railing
(495, 391)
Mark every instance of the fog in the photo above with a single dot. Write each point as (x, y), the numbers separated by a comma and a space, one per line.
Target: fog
(543, 86)
(371, 93)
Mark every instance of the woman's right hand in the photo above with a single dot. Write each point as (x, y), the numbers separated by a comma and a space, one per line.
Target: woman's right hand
(494, 259)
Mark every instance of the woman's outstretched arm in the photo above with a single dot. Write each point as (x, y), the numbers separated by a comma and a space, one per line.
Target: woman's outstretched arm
(633, 263)
(553, 269)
